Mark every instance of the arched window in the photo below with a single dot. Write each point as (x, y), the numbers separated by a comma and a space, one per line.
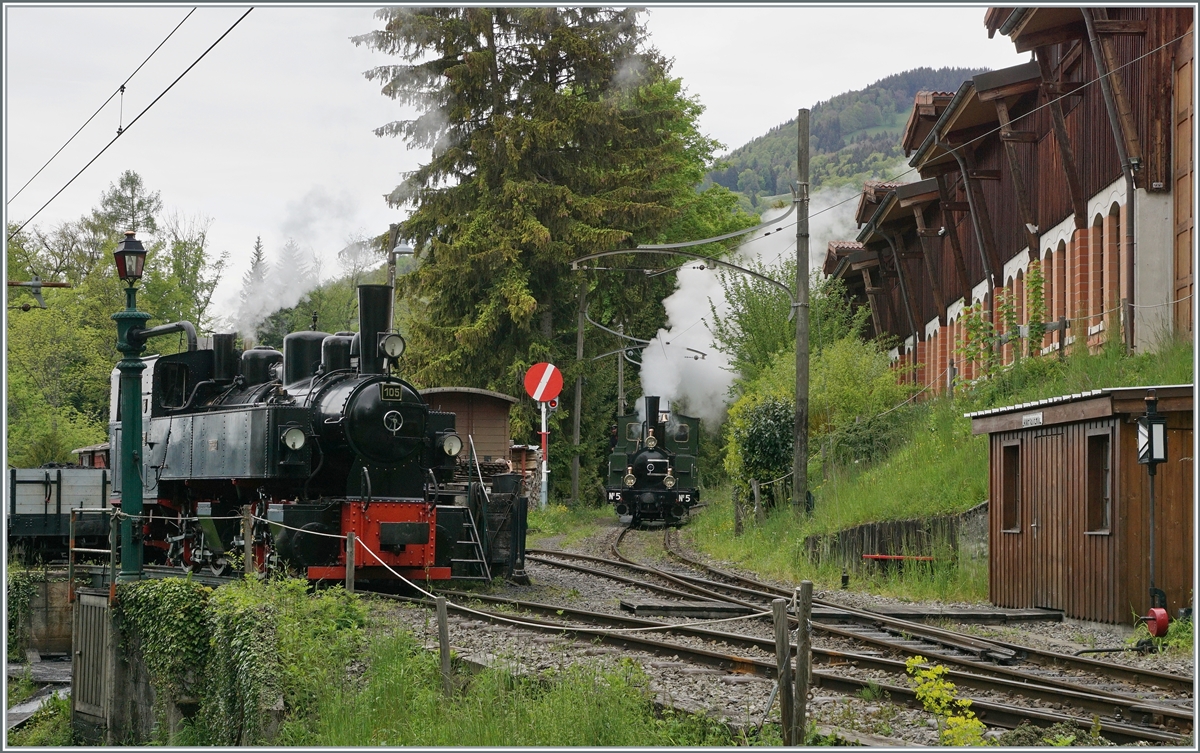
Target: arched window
(1099, 294)
(1113, 243)
(1060, 281)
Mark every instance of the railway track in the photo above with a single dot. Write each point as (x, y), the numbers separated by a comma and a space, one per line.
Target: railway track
(1131, 675)
(980, 664)
(759, 661)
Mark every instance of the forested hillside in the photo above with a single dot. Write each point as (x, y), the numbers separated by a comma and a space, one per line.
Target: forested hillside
(853, 136)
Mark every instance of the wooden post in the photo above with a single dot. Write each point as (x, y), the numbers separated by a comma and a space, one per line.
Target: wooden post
(800, 428)
(759, 513)
(803, 657)
(350, 547)
(737, 511)
(248, 539)
(444, 643)
(783, 663)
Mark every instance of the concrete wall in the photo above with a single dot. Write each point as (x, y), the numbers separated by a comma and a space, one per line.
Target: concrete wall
(48, 622)
(1153, 273)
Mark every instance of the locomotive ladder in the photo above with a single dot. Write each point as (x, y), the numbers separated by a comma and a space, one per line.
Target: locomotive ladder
(472, 539)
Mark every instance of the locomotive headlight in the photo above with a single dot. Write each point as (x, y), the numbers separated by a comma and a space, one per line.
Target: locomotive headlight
(392, 345)
(651, 441)
(293, 438)
(451, 444)
(629, 479)
(669, 480)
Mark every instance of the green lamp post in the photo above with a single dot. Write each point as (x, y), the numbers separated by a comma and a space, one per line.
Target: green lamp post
(130, 256)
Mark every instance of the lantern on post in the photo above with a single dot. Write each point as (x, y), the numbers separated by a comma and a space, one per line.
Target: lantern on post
(130, 257)
(1152, 450)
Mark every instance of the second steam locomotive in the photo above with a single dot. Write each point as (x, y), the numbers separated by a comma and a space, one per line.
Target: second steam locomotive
(652, 470)
(318, 441)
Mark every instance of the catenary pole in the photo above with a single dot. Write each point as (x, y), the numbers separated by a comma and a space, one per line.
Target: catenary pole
(800, 455)
(621, 375)
(577, 407)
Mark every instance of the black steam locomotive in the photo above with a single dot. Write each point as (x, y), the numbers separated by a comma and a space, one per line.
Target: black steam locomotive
(652, 471)
(319, 441)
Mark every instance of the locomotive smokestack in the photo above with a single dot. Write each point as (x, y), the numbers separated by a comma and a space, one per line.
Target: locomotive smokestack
(224, 363)
(374, 316)
(652, 410)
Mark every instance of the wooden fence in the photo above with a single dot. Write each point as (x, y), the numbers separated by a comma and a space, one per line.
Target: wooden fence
(964, 534)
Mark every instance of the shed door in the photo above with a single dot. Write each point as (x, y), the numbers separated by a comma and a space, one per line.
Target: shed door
(89, 681)
(1045, 487)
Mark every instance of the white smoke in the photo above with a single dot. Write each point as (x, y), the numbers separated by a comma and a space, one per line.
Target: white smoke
(317, 220)
(701, 387)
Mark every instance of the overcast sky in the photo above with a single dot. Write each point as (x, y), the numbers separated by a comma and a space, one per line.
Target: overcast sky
(271, 133)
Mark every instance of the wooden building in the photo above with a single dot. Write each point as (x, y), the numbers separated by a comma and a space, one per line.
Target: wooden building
(1069, 514)
(1040, 164)
(481, 415)
(93, 456)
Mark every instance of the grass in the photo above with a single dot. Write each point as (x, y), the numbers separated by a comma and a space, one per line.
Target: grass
(50, 726)
(940, 468)
(569, 525)
(1180, 637)
(401, 703)
(20, 690)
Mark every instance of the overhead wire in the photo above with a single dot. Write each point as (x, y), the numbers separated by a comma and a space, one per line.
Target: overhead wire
(126, 129)
(119, 90)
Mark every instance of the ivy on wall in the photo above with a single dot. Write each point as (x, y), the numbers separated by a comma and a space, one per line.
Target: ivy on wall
(252, 654)
(1035, 291)
(22, 585)
(165, 619)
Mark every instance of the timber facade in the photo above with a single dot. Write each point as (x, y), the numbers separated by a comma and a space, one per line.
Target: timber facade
(1046, 205)
(1069, 518)
(481, 419)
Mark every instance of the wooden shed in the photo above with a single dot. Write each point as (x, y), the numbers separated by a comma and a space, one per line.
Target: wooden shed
(1069, 517)
(480, 414)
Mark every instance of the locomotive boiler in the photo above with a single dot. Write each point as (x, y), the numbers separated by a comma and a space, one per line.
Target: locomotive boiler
(319, 440)
(652, 471)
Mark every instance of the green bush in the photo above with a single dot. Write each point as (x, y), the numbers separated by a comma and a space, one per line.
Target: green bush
(761, 439)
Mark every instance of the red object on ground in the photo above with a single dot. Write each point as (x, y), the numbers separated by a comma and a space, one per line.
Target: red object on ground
(543, 382)
(1157, 622)
(897, 557)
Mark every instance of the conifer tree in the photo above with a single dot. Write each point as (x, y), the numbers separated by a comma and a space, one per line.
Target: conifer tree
(556, 132)
(253, 277)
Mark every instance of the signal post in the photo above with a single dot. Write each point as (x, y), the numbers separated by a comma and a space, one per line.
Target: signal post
(544, 382)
